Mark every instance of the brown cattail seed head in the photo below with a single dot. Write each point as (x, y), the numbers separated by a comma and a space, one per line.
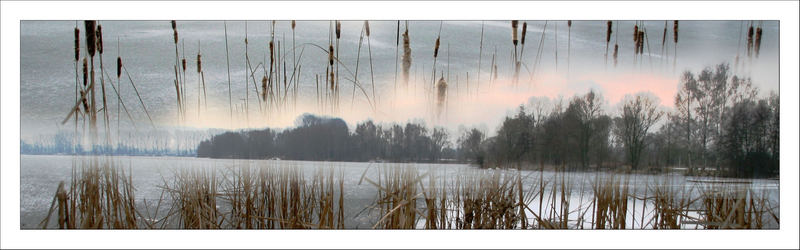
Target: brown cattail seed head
(91, 37)
(514, 32)
(675, 30)
(569, 23)
(635, 33)
(84, 101)
(199, 64)
(758, 40)
(174, 25)
(85, 72)
(333, 81)
(183, 64)
(366, 27)
(271, 53)
(330, 54)
(641, 42)
(616, 49)
(293, 24)
(608, 31)
(77, 44)
(119, 67)
(264, 88)
(436, 49)
(100, 38)
(524, 30)
(338, 30)
(175, 36)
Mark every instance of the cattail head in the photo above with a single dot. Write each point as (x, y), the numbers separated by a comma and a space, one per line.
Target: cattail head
(119, 67)
(569, 23)
(333, 81)
(366, 27)
(750, 35)
(271, 53)
(757, 45)
(608, 31)
(495, 72)
(264, 88)
(514, 38)
(635, 33)
(174, 32)
(524, 30)
(616, 50)
(199, 63)
(91, 37)
(183, 64)
(406, 56)
(84, 101)
(338, 30)
(77, 44)
(640, 40)
(100, 38)
(675, 30)
(330, 54)
(293, 24)
(85, 72)
(436, 48)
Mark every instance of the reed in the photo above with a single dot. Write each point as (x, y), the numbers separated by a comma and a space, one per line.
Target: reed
(99, 195)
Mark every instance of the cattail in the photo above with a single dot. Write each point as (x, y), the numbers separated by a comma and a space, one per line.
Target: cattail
(85, 72)
(436, 48)
(608, 32)
(495, 72)
(90, 37)
(100, 38)
(77, 44)
(749, 40)
(199, 64)
(264, 88)
(441, 93)
(406, 56)
(758, 40)
(293, 24)
(84, 101)
(524, 30)
(174, 25)
(271, 53)
(641, 42)
(636, 33)
(333, 81)
(183, 64)
(616, 48)
(514, 32)
(338, 30)
(569, 24)
(330, 54)
(675, 30)
(119, 67)
(366, 26)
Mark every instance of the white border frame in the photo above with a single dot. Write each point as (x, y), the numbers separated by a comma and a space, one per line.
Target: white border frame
(13, 12)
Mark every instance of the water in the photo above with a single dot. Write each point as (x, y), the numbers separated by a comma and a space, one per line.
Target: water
(40, 175)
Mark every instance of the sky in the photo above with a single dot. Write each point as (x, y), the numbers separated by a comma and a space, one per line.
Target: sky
(571, 60)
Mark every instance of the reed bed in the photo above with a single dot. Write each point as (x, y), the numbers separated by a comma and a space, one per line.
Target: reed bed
(245, 196)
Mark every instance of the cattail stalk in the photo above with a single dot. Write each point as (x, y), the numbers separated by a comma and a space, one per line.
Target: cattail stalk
(228, 63)
(371, 70)
(569, 43)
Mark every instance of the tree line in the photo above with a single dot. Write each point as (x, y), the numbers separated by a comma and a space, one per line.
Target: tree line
(318, 138)
(718, 125)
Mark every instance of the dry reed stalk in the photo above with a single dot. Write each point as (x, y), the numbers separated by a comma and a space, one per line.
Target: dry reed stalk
(358, 59)
(480, 56)
(228, 63)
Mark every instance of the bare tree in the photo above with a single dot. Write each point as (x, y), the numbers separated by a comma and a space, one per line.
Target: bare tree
(638, 114)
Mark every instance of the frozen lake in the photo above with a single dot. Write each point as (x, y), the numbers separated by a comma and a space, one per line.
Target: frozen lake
(40, 175)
